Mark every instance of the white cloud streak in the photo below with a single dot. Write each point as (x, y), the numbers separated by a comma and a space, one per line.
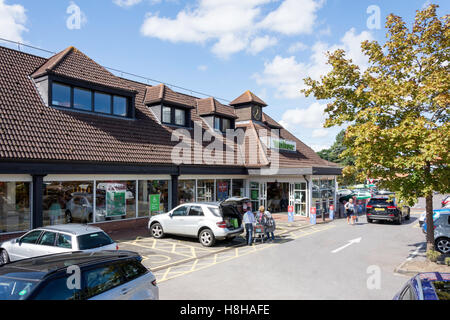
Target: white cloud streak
(12, 21)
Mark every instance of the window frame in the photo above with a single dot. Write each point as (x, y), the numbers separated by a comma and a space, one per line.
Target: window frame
(84, 286)
(173, 110)
(42, 237)
(93, 90)
(221, 125)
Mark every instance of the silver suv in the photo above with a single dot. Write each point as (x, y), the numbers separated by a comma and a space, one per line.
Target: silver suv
(56, 239)
(442, 233)
(206, 221)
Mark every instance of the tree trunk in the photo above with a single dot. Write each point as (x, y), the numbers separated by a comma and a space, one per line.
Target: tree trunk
(429, 221)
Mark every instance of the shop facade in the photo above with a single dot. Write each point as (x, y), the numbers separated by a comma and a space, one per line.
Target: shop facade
(81, 145)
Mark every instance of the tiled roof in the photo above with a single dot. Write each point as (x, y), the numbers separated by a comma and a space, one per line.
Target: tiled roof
(30, 130)
(210, 106)
(74, 64)
(270, 122)
(247, 97)
(162, 93)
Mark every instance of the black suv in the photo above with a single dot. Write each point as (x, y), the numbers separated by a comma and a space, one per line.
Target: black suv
(383, 208)
(102, 275)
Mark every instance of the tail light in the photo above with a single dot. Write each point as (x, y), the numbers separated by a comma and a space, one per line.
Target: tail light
(369, 207)
(154, 282)
(117, 247)
(392, 207)
(222, 224)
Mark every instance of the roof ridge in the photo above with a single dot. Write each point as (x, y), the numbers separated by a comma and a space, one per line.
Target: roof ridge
(50, 64)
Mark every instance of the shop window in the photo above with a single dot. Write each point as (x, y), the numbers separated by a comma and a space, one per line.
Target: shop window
(15, 213)
(67, 202)
(323, 194)
(115, 200)
(238, 188)
(186, 191)
(254, 195)
(153, 197)
(223, 189)
(205, 191)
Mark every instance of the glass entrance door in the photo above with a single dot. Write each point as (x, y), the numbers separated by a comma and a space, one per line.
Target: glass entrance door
(300, 199)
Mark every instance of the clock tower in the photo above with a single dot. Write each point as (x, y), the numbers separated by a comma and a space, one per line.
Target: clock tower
(248, 107)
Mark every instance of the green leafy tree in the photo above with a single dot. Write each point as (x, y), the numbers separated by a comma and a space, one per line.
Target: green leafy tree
(398, 110)
(336, 154)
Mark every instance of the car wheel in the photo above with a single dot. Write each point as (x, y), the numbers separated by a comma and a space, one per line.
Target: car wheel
(157, 231)
(207, 238)
(4, 257)
(399, 220)
(69, 218)
(443, 245)
(369, 220)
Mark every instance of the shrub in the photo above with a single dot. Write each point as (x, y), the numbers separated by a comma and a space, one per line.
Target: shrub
(433, 255)
(447, 261)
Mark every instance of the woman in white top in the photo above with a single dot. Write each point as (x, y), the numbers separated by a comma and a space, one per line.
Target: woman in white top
(350, 211)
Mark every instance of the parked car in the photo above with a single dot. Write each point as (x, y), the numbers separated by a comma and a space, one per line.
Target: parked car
(206, 221)
(441, 222)
(426, 286)
(238, 202)
(436, 212)
(105, 275)
(56, 239)
(384, 208)
(79, 208)
(362, 194)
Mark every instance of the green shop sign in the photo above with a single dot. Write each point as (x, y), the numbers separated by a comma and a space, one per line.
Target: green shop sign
(284, 145)
(154, 200)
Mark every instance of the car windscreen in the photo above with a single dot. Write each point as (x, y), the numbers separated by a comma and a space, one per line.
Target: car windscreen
(15, 289)
(382, 202)
(93, 240)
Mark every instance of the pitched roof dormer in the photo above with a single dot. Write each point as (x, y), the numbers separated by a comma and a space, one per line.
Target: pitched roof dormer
(210, 106)
(248, 106)
(162, 94)
(246, 98)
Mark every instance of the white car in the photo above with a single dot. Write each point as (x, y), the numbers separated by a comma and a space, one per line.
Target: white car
(206, 221)
(56, 239)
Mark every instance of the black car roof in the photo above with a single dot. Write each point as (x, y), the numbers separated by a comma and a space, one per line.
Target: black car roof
(40, 267)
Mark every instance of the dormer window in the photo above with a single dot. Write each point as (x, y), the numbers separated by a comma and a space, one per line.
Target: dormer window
(222, 124)
(85, 99)
(174, 116)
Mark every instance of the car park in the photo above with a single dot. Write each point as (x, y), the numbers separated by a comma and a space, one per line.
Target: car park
(105, 275)
(383, 208)
(426, 286)
(56, 239)
(206, 221)
(441, 222)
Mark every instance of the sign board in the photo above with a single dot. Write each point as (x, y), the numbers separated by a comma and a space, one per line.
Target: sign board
(291, 209)
(331, 207)
(115, 203)
(222, 191)
(313, 210)
(282, 144)
(255, 195)
(154, 201)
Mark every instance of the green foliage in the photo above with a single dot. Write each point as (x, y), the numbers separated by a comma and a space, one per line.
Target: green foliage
(398, 109)
(447, 261)
(433, 255)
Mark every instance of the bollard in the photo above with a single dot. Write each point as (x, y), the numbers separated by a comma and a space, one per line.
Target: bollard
(331, 212)
(291, 213)
(313, 218)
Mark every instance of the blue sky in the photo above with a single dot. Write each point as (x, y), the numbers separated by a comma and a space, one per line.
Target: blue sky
(219, 47)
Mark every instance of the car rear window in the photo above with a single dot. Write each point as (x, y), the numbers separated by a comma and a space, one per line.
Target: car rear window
(386, 202)
(442, 289)
(93, 240)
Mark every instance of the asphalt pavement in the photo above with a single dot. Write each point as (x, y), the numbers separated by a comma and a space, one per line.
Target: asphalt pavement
(332, 261)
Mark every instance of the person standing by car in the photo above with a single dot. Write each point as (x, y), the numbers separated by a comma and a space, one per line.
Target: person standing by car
(350, 211)
(266, 219)
(249, 221)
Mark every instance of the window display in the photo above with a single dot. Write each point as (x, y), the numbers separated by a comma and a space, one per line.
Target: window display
(186, 191)
(115, 200)
(153, 197)
(15, 213)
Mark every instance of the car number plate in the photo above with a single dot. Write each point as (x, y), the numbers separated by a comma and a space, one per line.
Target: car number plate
(379, 209)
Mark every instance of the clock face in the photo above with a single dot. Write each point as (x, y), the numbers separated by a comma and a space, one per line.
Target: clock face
(256, 113)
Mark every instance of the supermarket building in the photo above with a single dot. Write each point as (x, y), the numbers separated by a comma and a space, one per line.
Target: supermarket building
(80, 144)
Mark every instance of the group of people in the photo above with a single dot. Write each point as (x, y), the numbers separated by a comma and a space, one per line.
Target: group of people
(262, 218)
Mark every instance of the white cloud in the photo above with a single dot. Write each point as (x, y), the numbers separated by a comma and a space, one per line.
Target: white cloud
(12, 21)
(296, 47)
(126, 3)
(233, 25)
(261, 43)
(319, 133)
(202, 68)
(293, 17)
(287, 74)
(319, 147)
(312, 117)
